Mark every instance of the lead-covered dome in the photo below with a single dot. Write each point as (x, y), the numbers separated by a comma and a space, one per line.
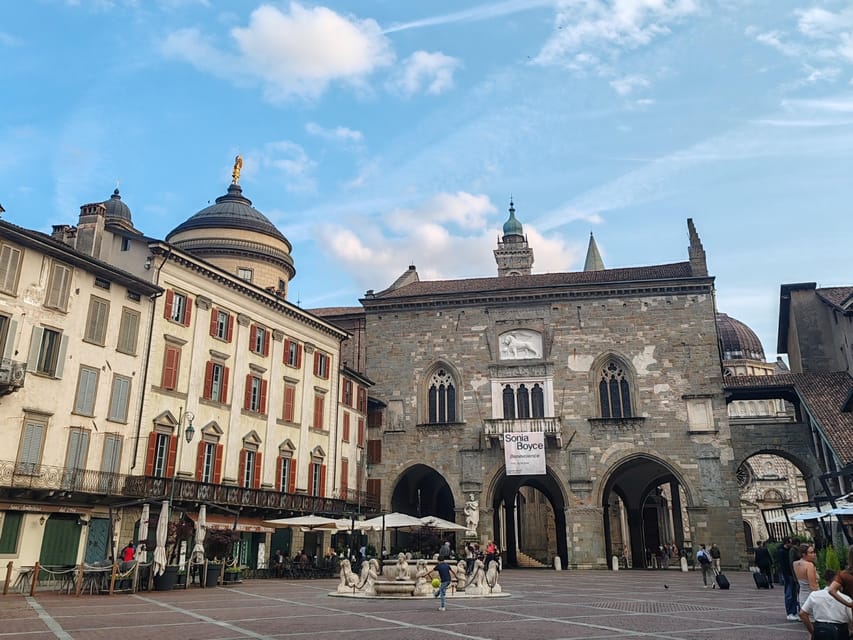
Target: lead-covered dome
(512, 227)
(738, 341)
(238, 238)
(117, 210)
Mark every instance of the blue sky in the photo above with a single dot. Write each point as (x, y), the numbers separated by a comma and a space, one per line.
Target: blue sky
(382, 133)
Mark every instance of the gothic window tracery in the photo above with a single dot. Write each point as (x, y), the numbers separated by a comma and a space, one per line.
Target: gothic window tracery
(441, 397)
(614, 391)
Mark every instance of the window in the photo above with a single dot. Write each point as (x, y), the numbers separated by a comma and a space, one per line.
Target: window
(161, 454)
(289, 410)
(125, 244)
(292, 353)
(11, 530)
(216, 382)
(360, 441)
(58, 287)
(614, 391)
(523, 400)
(96, 322)
(441, 398)
(345, 428)
(206, 462)
(259, 340)
(119, 399)
(285, 475)
(250, 468)
(362, 400)
(75, 458)
(110, 463)
(29, 456)
(321, 365)
(171, 365)
(87, 387)
(47, 352)
(317, 478)
(256, 394)
(221, 325)
(346, 396)
(344, 476)
(128, 331)
(319, 407)
(244, 273)
(102, 283)
(10, 266)
(178, 307)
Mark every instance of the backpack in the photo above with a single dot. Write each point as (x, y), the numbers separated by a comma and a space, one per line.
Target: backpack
(703, 558)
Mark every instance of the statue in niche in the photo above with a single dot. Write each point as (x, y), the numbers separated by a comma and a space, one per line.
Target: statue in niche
(472, 513)
(521, 344)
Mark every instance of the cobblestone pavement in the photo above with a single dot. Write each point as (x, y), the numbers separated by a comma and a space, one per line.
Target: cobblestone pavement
(543, 605)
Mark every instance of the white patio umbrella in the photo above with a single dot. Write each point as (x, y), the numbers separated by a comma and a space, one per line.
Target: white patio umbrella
(307, 523)
(200, 533)
(142, 535)
(441, 524)
(393, 521)
(162, 535)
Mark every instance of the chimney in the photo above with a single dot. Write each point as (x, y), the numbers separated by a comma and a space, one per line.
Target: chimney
(90, 229)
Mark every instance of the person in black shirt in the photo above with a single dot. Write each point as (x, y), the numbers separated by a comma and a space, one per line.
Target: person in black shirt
(764, 562)
(786, 572)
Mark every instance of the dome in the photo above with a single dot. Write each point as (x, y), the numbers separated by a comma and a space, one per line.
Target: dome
(738, 341)
(117, 210)
(512, 227)
(231, 211)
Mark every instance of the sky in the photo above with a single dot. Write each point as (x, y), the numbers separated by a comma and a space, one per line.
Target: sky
(382, 133)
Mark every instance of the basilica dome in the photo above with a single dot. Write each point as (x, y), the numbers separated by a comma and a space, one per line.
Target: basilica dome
(738, 341)
(235, 236)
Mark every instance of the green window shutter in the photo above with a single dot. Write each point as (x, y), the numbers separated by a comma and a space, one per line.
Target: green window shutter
(60, 358)
(86, 388)
(9, 532)
(119, 399)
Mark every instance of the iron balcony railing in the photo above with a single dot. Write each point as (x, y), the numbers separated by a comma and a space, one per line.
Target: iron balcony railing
(21, 475)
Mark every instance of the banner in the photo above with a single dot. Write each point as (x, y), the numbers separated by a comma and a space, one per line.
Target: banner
(524, 453)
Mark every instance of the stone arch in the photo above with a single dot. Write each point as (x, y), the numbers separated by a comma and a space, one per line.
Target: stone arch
(442, 368)
(420, 490)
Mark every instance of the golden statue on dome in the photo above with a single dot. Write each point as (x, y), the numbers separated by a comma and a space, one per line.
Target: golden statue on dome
(238, 166)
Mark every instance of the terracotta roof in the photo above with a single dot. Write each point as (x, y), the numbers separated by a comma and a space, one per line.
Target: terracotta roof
(841, 297)
(824, 396)
(535, 281)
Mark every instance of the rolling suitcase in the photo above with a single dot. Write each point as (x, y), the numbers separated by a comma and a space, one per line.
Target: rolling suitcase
(760, 581)
(722, 581)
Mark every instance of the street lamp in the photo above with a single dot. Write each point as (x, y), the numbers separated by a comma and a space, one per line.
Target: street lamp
(189, 432)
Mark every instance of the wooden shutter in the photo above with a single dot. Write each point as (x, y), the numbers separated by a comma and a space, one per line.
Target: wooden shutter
(247, 394)
(208, 380)
(60, 357)
(344, 478)
(253, 337)
(374, 487)
(316, 362)
(199, 460)
(322, 481)
(289, 399)
(267, 340)
(241, 469)
(259, 468)
(278, 464)
(286, 355)
(262, 405)
(217, 463)
(318, 412)
(151, 454)
(374, 451)
(298, 356)
(291, 481)
(189, 312)
(171, 361)
(360, 442)
(223, 396)
(214, 321)
(10, 258)
(167, 306)
(345, 430)
(173, 456)
(230, 327)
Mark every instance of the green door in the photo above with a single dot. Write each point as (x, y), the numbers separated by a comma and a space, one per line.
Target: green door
(61, 540)
(96, 544)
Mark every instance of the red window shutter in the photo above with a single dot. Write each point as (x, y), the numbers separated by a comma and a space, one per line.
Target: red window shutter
(241, 472)
(267, 340)
(374, 487)
(263, 403)
(259, 467)
(318, 412)
(247, 395)
(189, 314)
(316, 362)
(151, 453)
(289, 397)
(278, 464)
(286, 350)
(253, 336)
(230, 327)
(359, 477)
(217, 464)
(173, 456)
(167, 307)
(291, 481)
(344, 477)
(345, 430)
(214, 316)
(374, 451)
(199, 460)
(223, 397)
(311, 466)
(208, 380)
(322, 481)
(360, 432)
(171, 362)
(298, 356)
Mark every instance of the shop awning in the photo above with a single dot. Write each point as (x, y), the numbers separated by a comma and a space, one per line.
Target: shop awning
(218, 521)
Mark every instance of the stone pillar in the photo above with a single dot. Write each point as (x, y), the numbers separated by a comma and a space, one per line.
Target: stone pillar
(677, 521)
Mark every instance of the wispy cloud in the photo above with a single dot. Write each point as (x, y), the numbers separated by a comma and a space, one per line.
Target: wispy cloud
(425, 71)
(285, 158)
(339, 133)
(480, 12)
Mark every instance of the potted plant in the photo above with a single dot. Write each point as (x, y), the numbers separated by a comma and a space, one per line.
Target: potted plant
(218, 544)
(232, 574)
(180, 531)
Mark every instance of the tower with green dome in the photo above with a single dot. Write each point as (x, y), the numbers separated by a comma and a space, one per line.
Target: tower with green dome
(513, 255)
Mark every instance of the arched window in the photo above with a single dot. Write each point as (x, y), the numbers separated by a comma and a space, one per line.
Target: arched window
(614, 391)
(509, 403)
(441, 397)
(523, 400)
(537, 397)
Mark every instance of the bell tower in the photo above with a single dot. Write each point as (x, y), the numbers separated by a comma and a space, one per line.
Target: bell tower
(513, 255)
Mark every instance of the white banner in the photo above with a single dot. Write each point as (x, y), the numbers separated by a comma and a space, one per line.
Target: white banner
(524, 453)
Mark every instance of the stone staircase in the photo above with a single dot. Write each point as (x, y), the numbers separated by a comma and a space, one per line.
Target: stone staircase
(526, 562)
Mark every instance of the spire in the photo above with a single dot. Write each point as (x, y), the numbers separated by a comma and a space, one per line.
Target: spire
(593, 257)
(696, 251)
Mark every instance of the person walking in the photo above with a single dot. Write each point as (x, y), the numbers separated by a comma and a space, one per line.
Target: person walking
(805, 572)
(789, 582)
(704, 559)
(715, 558)
(825, 617)
(444, 552)
(445, 577)
(764, 562)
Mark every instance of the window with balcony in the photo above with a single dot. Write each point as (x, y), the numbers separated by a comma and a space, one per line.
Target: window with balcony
(523, 400)
(249, 474)
(317, 473)
(30, 449)
(285, 475)
(110, 463)
(208, 466)
(75, 458)
(161, 454)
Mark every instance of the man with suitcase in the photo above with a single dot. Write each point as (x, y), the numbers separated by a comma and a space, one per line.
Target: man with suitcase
(764, 577)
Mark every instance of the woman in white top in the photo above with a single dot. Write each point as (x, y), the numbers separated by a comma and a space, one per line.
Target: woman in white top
(805, 572)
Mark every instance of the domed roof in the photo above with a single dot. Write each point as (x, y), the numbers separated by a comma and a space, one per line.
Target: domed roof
(738, 341)
(116, 209)
(231, 211)
(512, 227)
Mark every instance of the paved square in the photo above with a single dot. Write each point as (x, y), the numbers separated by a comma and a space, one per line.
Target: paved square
(544, 605)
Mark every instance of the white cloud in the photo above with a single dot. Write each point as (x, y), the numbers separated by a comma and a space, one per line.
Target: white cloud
(626, 84)
(820, 23)
(425, 71)
(294, 54)
(464, 210)
(474, 14)
(608, 27)
(285, 158)
(342, 134)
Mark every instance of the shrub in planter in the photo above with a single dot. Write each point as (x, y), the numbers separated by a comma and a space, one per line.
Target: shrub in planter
(218, 543)
(232, 574)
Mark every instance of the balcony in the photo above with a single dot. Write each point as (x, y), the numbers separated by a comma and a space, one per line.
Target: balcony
(25, 481)
(495, 428)
(12, 375)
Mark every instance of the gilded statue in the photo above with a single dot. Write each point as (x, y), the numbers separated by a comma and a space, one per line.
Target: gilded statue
(238, 166)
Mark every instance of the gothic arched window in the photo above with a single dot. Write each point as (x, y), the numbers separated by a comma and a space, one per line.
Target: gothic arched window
(441, 397)
(509, 403)
(614, 391)
(537, 398)
(522, 398)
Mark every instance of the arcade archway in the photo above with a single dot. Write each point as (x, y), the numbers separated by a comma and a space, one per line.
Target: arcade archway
(421, 491)
(643, 512)
(530, 517)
